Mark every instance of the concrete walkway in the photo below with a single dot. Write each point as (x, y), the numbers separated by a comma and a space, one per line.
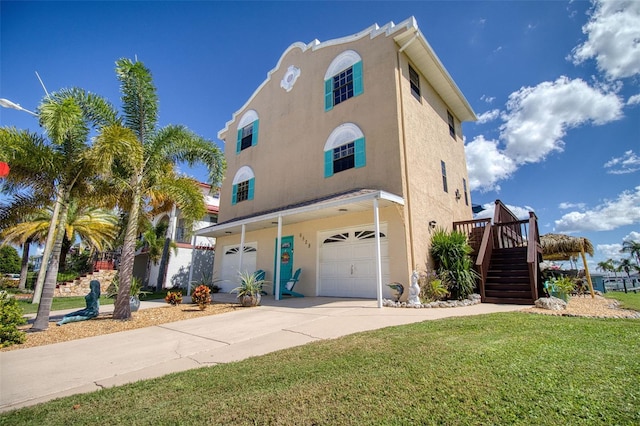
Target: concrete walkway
(35, 375)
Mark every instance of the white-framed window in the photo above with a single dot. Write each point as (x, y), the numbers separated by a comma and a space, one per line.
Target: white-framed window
(343, 79)
(452, 124)
(443, 166)
(414, 81)
(243, 185)
(345, 149)
(247, 131)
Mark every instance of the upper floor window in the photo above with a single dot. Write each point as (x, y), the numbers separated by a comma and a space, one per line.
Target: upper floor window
(247, 131)
(414, 80)
(464, 188)
(444, 176)
(345, 149)
(243, 185)
(343, 79)
(452, 124)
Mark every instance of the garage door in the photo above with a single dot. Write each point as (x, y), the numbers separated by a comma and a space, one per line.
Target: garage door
(348, 262)
(231, 264)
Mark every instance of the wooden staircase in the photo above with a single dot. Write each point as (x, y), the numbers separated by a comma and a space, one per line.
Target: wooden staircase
(507, 256)
(508, 277)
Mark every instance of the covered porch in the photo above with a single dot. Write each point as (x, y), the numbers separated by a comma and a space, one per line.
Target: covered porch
(306, 223)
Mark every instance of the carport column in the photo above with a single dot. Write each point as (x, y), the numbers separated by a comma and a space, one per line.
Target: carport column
(276, 285)
(241, 249)
(193, 252)
(376, 221)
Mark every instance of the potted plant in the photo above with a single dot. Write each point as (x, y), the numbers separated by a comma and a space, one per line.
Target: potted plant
(250, 289)
(201, 296)
(135, 292)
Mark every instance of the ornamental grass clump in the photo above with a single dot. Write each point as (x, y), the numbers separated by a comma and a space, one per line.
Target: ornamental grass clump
(201, 296)
(450, 252)
(173, 298)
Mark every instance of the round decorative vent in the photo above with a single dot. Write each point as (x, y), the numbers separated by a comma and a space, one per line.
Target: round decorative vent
(289, 78)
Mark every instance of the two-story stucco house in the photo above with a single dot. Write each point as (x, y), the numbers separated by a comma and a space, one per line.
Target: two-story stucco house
(342, 163)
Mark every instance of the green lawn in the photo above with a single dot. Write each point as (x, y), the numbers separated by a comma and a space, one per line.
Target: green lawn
(509, 368)
(629, 300)
(60, 303)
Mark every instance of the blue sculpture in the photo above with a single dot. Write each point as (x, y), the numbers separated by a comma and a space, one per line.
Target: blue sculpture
(93, 306)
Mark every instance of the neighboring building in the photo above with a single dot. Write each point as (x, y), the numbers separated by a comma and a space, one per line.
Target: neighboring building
(179, 268)
(348, 145)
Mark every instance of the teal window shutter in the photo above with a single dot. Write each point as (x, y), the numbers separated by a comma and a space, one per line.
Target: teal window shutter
(234, 195)
(357, 79)
(328, 94)
(328, 163)
(252, 183)
(239, 141)
(360, 153)
(254, 139)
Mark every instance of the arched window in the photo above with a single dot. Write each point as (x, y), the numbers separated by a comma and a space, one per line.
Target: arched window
(345, 149)
(243, 185)
(247, 131)
(343, 79)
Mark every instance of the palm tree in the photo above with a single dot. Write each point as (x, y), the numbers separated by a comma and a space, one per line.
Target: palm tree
(152, 181)
(64, 169)
(154, 241)
(606, 266)
(633, 248)
(97, 227)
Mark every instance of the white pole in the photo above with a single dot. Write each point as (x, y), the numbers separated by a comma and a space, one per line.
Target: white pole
(278, 255)
(241, 252)
(193, 252)
(376, 219)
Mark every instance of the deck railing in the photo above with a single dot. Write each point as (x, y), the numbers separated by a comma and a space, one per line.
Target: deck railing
(507, 231)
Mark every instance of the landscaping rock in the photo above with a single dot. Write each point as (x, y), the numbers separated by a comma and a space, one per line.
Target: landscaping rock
(551, 303)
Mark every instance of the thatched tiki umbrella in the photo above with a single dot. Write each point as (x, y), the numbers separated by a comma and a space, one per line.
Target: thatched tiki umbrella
(565, 247)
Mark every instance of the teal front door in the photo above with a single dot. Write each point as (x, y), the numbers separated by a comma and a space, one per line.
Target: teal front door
(286, 259)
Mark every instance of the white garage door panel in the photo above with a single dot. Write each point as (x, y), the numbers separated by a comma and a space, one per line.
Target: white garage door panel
(348, 263)
(231, 265)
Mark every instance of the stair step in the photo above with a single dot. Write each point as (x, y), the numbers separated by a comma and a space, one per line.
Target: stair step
(525, 301)
(525, 294)
(508, 287)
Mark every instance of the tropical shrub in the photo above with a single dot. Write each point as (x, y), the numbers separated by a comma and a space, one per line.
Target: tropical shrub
(10, 318)
(134, 290)
(432, 287)
(450, 253)
(173, 298)
(201, 296)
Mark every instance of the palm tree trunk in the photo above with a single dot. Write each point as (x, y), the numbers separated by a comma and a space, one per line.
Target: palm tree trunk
(25, 265)
(122, 309)
(162, 272)
(48, 248)
(41, 322)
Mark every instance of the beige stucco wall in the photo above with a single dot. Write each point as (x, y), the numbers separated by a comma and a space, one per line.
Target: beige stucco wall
(427, 143)
(306, 254)
(288, 161)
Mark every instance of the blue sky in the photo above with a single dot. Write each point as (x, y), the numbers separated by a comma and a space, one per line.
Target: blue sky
(556, 84)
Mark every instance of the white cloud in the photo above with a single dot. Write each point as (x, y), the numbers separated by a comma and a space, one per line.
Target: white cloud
(489, 99)
(628, 163)
(486, 164)
(610, 251)
(487, 116)
(538, 117)
(632, 236)
(625, 210)
(613, 34)
(634, 100)
(565, 206)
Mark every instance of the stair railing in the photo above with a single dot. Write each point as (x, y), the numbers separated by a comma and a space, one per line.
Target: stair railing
(534, 254)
